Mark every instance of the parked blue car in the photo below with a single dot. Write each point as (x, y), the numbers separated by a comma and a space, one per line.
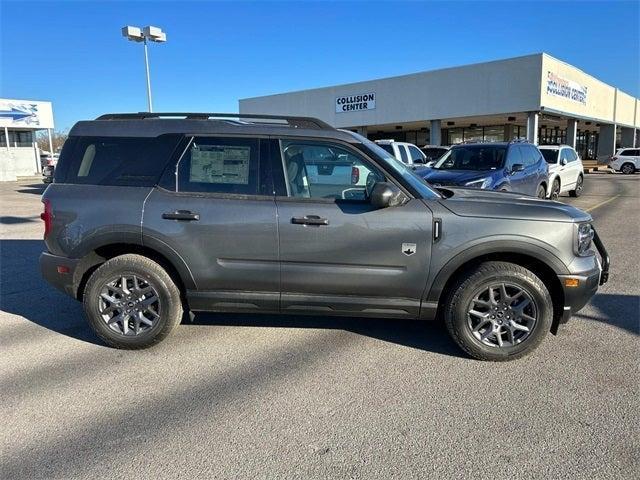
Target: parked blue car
(509, 167)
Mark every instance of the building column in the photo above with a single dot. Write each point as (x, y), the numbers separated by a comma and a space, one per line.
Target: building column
(435, 132)
(627, 137)
(606, 142)
(508, 132)
(532, 127)
(362, 131)
(7, 163)
(572, 132)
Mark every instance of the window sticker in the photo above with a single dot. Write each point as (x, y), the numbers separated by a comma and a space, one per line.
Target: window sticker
(220, 164)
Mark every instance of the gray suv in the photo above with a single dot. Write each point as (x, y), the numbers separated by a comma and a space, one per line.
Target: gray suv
(152, 215)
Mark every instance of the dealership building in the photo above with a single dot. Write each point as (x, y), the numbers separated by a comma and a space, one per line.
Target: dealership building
(536, 97)
(19, 122)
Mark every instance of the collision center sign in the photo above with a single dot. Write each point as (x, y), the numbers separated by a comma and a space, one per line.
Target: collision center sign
(561, 87)
(352, 103)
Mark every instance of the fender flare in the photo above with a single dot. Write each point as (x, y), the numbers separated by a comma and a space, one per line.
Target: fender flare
(518, 247)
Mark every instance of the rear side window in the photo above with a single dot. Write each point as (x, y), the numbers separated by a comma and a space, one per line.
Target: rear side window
(117, 161)
(220, 165)
(630, 153)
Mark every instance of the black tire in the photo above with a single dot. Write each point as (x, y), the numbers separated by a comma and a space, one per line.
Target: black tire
(576, 192)
(466, 287)
(541, 192)
(168, 312)
(555, 190)
(628, 168)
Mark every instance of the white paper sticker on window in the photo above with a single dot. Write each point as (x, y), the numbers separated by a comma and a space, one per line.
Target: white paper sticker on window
(220, 164)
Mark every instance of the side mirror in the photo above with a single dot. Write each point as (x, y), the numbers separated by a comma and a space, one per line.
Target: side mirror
(430, 164)
(517, 167)
(563, 161)
(385, 194)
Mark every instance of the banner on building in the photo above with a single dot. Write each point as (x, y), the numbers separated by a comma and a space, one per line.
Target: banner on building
(353, 103)
(561, 87)
(25, 114)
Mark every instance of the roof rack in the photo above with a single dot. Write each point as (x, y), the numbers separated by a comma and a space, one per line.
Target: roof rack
(295, 122)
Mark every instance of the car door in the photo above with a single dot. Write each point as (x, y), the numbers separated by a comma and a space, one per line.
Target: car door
(338, 253)
(565, 170)
(214, 212)
(514, 179)
(531, 180)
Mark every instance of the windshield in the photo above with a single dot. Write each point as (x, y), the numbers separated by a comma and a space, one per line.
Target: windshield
(434, 153)
(386, 146)
(550, 154)
(400, 168)
(473, 157)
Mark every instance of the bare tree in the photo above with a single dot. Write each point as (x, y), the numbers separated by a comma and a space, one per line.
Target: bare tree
(57, 139)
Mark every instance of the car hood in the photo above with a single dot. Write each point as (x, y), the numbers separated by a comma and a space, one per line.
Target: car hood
(471, 202)
(453, 177)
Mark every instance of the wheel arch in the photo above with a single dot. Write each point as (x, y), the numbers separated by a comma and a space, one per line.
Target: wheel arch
(165, 257)
(541, 262)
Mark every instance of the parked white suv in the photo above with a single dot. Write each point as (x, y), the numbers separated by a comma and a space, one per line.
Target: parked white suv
(626, 160)
(407, 153)
(566, 173)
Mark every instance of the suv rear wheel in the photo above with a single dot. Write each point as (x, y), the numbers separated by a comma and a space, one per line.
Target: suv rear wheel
(132, 302)
(498, 311)
(628, 168)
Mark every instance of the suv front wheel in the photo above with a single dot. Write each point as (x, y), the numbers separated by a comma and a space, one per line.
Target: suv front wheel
(498, 311)
(132, 302)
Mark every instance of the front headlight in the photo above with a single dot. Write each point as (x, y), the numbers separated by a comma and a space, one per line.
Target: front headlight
(584, 237)
(482, 183)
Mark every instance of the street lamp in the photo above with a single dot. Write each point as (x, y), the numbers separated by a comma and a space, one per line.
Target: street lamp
(152, 34)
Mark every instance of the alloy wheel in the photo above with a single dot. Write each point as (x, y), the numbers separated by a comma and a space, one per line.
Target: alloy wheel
(555, 191)
(129, 305)
(627, 168)
(502, 315)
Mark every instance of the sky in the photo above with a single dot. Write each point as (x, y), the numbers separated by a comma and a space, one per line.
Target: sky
(72, 53)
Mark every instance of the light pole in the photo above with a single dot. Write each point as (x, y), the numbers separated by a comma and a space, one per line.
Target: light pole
(153, 34)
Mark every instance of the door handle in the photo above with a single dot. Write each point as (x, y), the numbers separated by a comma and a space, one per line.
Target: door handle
(310, 220)
(184, 215)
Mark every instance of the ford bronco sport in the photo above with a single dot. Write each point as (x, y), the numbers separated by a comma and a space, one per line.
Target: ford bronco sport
(150, 215)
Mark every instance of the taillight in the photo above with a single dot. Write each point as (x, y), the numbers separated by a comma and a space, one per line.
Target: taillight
(50, 162)
(355, 175)
(46, 216)
(613, 159)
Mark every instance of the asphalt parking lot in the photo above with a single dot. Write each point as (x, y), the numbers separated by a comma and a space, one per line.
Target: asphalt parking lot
(233, 396)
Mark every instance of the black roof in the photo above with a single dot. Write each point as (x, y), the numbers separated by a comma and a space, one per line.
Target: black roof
(155, 124)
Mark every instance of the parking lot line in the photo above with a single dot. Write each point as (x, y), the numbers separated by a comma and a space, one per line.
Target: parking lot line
(597, 205)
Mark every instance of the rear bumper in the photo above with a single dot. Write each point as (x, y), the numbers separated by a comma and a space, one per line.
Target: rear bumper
(60, 272)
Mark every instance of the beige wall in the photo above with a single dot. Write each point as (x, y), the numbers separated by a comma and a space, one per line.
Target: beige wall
(502, 88)
(602, 102)
(625, 109)
(498, 87)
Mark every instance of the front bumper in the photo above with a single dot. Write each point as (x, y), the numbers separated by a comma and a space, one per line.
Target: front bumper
(576, 297)
(61, 272)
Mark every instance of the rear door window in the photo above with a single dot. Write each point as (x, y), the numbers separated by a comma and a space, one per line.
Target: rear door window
(117, 161)
(220, 165)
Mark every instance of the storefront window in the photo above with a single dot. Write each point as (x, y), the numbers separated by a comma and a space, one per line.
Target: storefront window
(493, 134)
(455, 136)
(473, 134)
